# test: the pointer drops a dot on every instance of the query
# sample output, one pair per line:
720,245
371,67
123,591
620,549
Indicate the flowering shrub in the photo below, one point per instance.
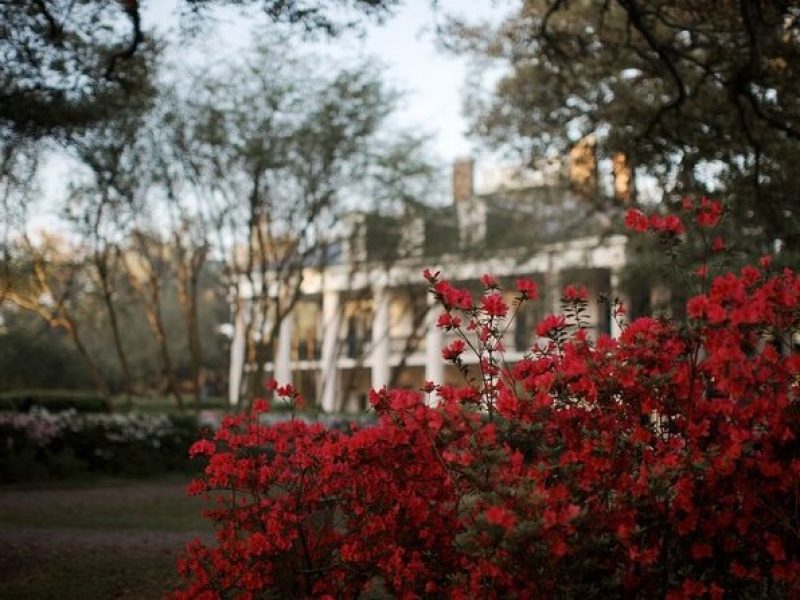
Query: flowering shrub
39,426
45,444
664,463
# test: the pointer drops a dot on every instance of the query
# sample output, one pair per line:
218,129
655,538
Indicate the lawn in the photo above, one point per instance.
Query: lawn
110,539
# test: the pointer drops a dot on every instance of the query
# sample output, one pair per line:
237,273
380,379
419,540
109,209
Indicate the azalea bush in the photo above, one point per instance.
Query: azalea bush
664,463
41,444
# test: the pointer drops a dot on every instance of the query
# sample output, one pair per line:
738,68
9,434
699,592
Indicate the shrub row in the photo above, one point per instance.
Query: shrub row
53,401
42,445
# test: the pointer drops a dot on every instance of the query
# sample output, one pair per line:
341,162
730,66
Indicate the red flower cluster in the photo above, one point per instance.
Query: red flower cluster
575,293
635,220
663,464
550,324
489,281
668,225
707,214
452,297
494,305
528,289
454,350
448,321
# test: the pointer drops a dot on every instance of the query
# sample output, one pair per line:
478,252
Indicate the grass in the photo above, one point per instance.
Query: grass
111,539
94,574
106,505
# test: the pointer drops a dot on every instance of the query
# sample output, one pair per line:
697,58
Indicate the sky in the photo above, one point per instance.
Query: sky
431,80
434,79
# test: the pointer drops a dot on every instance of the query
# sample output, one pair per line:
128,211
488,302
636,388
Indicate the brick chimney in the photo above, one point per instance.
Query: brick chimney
583,166
463,179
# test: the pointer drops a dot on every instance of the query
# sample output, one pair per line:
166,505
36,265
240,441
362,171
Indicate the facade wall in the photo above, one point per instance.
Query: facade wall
356,328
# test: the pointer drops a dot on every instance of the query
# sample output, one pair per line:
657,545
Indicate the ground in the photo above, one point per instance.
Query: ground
107,539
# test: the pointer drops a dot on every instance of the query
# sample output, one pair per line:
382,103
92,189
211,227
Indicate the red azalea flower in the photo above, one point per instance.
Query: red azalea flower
709,212
691,430
528,289
575,294
500,516
454,350
448,321
550,324
489,281
260,405
202,447
430,276
669,225
635,220
494,305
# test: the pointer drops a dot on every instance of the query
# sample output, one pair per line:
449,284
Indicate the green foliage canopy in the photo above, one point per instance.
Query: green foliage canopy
702,96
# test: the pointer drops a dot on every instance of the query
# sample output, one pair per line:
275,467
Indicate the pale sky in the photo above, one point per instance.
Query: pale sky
432,80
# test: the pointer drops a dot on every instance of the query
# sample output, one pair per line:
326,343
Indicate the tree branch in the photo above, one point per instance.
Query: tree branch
132,10
635,18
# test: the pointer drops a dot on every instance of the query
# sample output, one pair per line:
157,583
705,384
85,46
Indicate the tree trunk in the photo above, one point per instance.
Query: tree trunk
153,313
101,264
94,370
195,345
150,294
257,351
187,276
59,317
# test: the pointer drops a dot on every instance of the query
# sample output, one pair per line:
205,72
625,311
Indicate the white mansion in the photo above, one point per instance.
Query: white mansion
366,320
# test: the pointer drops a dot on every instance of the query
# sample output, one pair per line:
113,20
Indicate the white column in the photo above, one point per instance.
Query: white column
238,344
434,365
615,292
329,377
380,339
283,356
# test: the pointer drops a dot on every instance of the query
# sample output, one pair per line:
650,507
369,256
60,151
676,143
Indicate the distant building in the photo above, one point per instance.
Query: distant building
366,320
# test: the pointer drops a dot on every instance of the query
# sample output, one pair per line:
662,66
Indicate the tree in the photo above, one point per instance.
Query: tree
330,17
47,278
188,207
70,65
288,149
161,195
147,263
34,355
100,211
701,96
